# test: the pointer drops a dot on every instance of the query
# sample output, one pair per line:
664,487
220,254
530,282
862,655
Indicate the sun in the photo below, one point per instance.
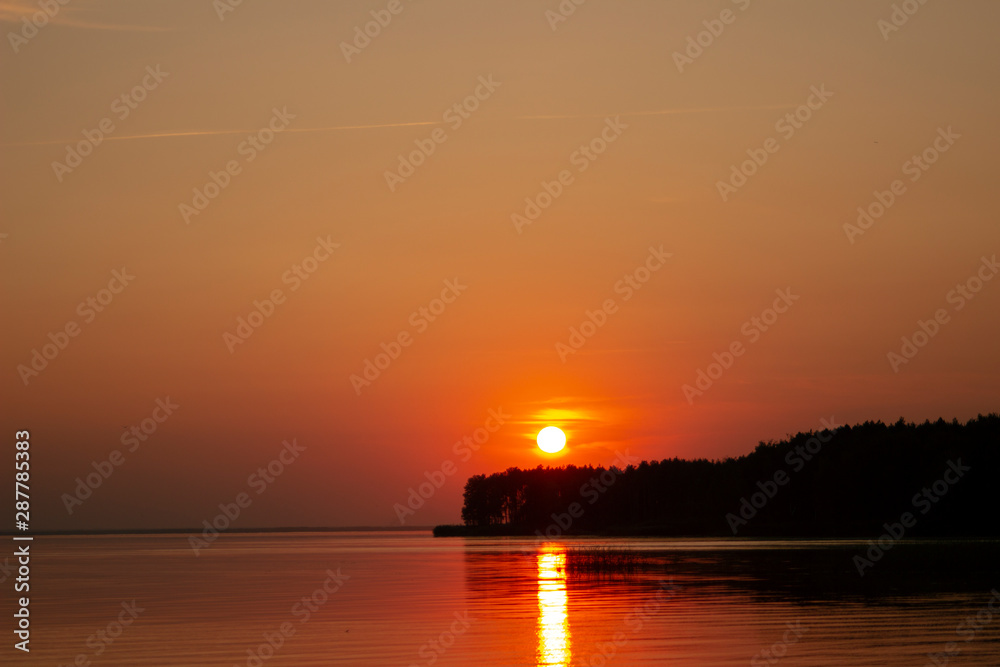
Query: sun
551,439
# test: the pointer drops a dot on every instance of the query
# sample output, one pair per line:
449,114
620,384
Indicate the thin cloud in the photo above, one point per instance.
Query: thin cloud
659,112
14,11
340,128
209,133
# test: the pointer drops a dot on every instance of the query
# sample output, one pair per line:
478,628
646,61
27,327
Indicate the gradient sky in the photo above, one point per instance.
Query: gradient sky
495,345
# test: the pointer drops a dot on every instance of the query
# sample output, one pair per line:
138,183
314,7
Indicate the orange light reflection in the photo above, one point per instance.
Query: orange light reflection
553,618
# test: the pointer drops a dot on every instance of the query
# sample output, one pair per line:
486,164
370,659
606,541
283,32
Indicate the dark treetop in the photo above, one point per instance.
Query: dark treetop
848,482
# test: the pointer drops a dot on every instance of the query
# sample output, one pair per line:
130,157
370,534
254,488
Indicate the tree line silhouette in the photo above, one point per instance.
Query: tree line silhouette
848,482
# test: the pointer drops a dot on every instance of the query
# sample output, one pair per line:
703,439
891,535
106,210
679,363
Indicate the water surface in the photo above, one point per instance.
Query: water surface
409,599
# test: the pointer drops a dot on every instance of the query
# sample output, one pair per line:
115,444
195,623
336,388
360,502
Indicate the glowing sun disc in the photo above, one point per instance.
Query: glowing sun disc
551,439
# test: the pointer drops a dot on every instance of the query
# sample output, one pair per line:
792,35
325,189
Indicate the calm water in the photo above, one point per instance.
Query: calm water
410,599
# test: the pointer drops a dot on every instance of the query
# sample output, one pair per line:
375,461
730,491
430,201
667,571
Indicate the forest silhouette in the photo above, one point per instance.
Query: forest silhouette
936,479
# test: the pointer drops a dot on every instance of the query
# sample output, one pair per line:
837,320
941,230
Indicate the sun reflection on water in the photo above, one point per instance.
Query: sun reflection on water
553,618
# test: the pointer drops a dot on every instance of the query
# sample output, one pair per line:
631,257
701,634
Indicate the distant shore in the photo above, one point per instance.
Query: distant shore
450,530
872,480
187,531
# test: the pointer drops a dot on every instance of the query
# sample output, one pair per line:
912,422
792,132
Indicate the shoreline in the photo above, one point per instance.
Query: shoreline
198,531
450,530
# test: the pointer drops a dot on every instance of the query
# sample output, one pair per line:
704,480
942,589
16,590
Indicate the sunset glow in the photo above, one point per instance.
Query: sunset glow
290,232
539,333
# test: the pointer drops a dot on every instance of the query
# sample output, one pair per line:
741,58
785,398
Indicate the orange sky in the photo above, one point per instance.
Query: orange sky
314,185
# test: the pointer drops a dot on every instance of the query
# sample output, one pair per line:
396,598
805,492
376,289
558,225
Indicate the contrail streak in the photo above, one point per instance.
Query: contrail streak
659,112
338,128
203,133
